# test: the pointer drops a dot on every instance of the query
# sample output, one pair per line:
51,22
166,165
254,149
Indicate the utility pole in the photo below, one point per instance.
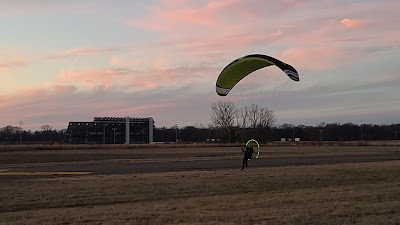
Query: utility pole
20,132
176,132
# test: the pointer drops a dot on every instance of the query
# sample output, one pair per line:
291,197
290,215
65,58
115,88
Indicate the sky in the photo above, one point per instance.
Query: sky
72,60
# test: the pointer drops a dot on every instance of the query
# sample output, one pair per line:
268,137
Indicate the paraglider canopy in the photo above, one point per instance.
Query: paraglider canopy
241,67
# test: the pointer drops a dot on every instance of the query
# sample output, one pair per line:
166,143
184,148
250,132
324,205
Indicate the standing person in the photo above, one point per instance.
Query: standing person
247,155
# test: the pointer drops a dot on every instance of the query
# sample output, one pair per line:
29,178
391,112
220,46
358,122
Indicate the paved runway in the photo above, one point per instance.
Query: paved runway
132,167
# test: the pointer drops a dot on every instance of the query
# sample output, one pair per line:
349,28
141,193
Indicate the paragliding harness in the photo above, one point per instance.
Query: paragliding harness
248,151
247,154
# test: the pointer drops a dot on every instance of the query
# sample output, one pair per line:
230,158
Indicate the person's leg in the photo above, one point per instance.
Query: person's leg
244,162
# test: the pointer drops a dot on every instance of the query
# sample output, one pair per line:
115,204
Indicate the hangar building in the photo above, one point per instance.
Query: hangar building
112,130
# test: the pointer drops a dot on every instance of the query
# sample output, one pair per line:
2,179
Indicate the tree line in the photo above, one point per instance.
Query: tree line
14,134
230,124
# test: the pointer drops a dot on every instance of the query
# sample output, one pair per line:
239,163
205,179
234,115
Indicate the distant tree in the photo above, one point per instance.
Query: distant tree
10,134
223,117
193,134
10,130
267,118
46,128
242,121
260,119
287,126
46,133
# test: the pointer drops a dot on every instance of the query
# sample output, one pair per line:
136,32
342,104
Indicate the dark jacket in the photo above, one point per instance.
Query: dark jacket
248,152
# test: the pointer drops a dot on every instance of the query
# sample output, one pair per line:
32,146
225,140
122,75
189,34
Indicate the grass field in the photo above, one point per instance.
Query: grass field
353,193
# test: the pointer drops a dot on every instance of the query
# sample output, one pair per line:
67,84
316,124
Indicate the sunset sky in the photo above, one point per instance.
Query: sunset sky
72,60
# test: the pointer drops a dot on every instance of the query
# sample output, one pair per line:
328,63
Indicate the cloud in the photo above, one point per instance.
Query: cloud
27,7
234,41
57,104
80,94
233,33
320,58
13,63
151,80
93,78
214,4
124,62
86,51
352,23
173,20
172,15
215,15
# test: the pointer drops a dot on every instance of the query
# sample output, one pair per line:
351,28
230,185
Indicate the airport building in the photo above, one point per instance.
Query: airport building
112,130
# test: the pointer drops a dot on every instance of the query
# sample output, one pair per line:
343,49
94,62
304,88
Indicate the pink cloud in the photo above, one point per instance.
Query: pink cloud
46,90
32,104
123,62
233,30
126,80
92,78
87,52
74,52
165,20
190,16
43,7
161,61
221,44
214,14
13,63
178,14
137,109
170,79
178,2
352,23
227,19
214,4
57,104
320,58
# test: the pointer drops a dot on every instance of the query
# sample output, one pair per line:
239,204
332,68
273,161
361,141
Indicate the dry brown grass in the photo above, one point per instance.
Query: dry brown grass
360,193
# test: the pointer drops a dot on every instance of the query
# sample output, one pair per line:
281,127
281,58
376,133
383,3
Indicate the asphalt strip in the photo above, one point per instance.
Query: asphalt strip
22,173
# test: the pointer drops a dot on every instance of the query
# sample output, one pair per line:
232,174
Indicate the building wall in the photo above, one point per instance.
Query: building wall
110,130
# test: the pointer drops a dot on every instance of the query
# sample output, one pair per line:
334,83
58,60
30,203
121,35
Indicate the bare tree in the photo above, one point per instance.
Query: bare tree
242,121
267,118
223,116
260,119
254,115
9,130
46,127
